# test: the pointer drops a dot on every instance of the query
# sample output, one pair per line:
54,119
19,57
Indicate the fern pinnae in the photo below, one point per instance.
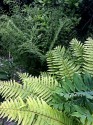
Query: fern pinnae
10,89
41,87
46,80
77,50
88,56
61,66
32,106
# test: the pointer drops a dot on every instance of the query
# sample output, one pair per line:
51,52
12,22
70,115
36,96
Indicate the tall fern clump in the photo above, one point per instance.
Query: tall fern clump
74,70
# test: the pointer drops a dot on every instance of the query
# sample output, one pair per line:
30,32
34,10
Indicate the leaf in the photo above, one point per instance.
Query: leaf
25,112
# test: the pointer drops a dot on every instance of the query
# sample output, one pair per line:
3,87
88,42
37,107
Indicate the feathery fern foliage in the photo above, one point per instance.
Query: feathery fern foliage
30,101
77,49
88,56
40,87
26,102
33,112
80,59
59,64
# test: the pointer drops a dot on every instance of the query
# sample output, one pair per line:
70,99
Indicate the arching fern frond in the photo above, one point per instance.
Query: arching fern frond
33,112
44,80
59,64
79,60
41,87
88,56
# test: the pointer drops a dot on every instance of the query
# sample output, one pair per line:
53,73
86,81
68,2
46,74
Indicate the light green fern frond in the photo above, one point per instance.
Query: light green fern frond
88,56
12,89
43,80
33,112
77,49
59,64
41,87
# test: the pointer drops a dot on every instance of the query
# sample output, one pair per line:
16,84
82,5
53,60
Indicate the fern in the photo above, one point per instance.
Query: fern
60,65
30,47
80,59
71,94
77,49
11,89
30,113
88,56
41,87
43,79
60,27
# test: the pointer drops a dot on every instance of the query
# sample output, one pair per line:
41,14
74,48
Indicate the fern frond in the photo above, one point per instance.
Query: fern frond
12,89
59,65
88,56
41,87
33,112
44,79
77,49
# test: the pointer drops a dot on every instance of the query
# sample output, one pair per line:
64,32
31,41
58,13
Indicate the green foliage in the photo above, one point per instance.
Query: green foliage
73,2
40,87
67,100
29,112
26,102
75,97
59,64
7,69
78,58
88,56
62,98
29,32
70,3
77,49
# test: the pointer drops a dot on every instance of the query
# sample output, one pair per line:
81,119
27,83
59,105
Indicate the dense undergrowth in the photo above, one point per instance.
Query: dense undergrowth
28,32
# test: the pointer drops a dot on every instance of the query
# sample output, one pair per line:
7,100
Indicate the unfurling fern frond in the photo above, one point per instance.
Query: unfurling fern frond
77,49
33,112
88,56
41,87
59,64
